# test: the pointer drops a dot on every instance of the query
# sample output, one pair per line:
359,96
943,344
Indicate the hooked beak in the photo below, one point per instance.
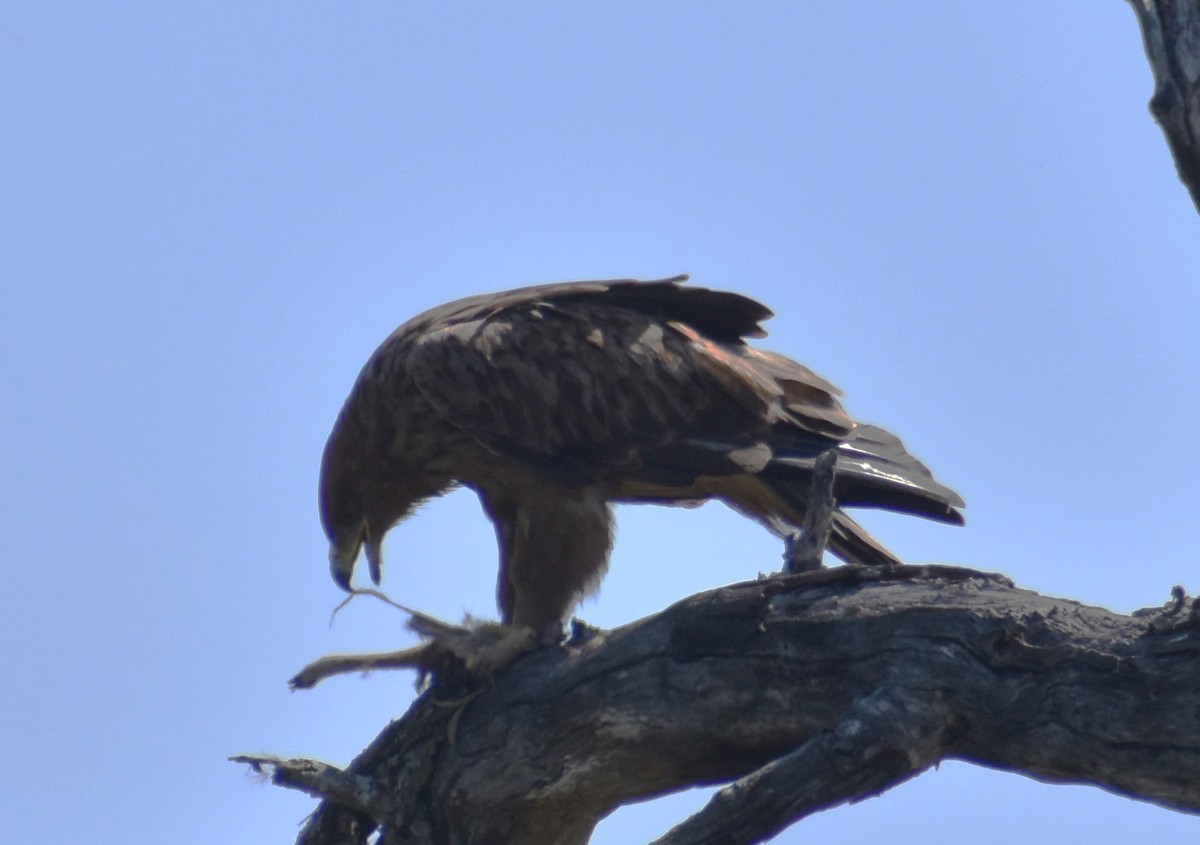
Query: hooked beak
374,560
343,558
341,565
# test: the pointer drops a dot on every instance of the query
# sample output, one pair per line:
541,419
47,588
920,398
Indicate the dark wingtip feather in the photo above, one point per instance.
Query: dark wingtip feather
886,452
874,470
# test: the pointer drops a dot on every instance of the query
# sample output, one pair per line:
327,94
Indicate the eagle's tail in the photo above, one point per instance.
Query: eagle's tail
850,541
875,471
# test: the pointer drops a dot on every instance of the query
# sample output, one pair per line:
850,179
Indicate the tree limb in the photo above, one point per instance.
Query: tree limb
319,779
802,691
885,739
1171,35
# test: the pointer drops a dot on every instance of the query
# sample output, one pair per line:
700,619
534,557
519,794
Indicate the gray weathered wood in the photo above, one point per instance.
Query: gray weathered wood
805,691
1171,34
805,551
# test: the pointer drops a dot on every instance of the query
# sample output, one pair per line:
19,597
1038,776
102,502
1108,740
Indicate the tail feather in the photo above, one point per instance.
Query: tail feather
873,471
883,452
850,541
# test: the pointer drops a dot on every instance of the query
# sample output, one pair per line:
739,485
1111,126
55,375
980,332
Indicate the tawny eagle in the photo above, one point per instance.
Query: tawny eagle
555,401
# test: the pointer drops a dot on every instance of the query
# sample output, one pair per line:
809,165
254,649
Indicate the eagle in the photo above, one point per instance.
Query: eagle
554,402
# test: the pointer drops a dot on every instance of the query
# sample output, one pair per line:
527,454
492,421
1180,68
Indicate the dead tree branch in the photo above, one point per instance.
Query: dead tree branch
1171,34
801,692
805,551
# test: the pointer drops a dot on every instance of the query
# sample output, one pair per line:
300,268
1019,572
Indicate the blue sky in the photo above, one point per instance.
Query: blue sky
211,214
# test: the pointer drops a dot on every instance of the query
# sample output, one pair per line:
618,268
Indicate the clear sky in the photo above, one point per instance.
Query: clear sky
210,214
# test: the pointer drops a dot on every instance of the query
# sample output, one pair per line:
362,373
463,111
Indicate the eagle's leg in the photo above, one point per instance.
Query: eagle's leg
805,549
554,547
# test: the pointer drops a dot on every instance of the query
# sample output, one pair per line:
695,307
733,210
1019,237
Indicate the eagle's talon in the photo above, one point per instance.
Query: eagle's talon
581,632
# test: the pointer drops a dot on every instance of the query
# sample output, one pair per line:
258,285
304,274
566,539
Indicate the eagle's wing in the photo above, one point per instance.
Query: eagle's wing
653,384
618,380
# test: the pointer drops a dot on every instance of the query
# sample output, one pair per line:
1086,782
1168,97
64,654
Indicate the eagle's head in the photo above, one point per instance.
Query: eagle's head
342,514
359,501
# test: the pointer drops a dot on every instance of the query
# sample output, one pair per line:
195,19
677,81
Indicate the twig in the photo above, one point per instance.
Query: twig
320,780
804,552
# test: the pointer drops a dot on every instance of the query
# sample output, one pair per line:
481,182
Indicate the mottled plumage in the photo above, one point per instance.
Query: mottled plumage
552,402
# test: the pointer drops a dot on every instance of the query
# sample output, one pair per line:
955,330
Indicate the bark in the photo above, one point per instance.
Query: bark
1171,34
801,692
